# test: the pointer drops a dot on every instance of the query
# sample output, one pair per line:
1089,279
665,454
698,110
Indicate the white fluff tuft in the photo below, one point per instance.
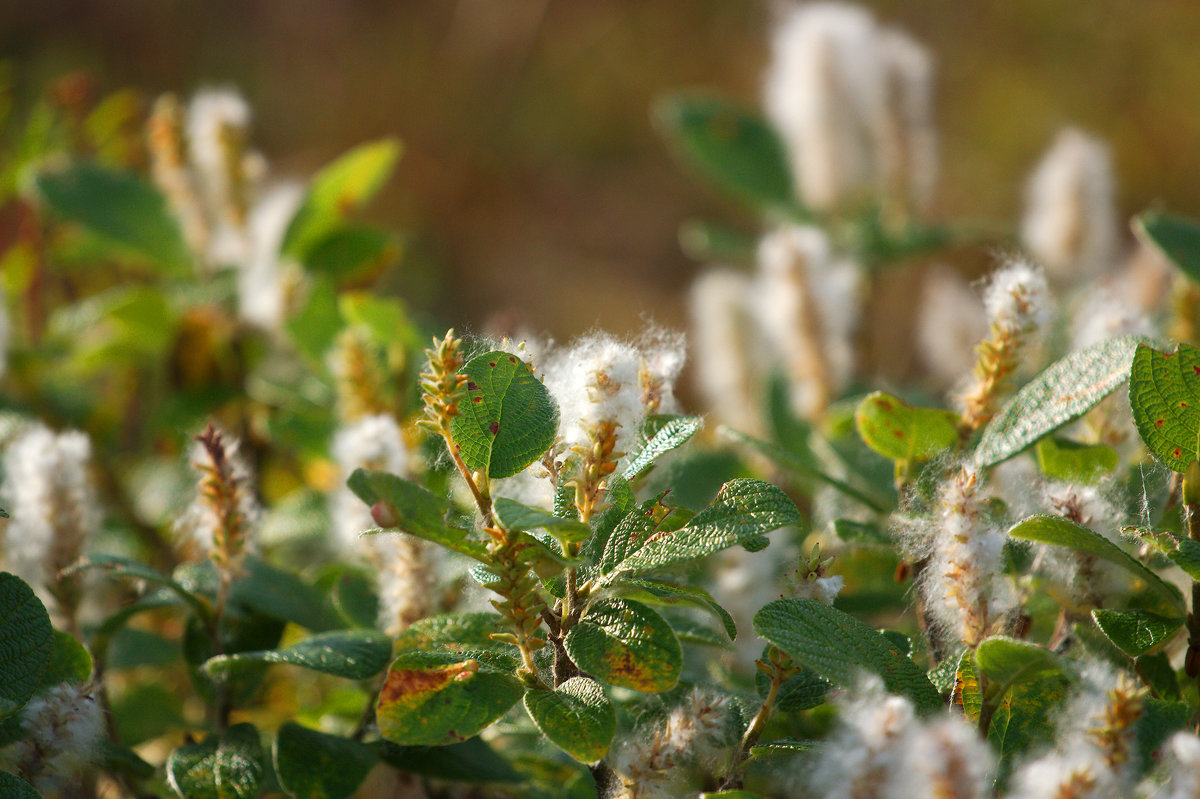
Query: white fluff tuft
373,442
1071,218
728,363
809,303
596,382
951,321
263,278
63,728
52,500
1017,299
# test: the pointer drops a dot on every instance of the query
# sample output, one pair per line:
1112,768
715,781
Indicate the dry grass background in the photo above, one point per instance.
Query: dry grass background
533,180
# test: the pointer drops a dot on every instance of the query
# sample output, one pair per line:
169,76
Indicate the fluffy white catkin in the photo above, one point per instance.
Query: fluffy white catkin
52,499
63,729
729,362
1070,220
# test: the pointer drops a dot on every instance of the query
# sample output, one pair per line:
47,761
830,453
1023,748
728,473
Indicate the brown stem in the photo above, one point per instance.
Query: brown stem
755,730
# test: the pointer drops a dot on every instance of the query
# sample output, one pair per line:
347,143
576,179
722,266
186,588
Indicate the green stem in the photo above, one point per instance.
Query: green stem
755,730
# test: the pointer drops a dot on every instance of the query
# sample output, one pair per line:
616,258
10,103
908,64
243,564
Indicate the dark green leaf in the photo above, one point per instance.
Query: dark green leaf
625,643
1158,721
1164,392
1177,237
283,596
313,765
119,206
1136,632
655,592
127,567
802,691
633,530
224,766
660,435
315,325
471,761
744,508
415,510
508,418
352,253
836,646
901,432
1066,390
13,787
26,643
433,699
1065,533
853,532
353,654
731,149
1024,720
576,716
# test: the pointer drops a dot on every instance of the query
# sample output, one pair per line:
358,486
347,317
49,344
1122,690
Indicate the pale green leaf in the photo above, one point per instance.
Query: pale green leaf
513,515
1066,390
1006,663
656,592
660,435
1183,552
901,432
1072,462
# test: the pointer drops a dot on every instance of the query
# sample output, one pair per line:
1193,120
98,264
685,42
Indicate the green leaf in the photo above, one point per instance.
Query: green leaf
1062,532
1158,673
780,745
1158,721
744,508
968,691
1066,390
416,511
799,466
353,654
26,643
313,765
13,787
633,530
433,699
69,661
731,149
1183,552
1136,632
517,517
1176,237
836,646
1072,462
655,592
453,632
802,691
353,253
339,189
315,324
853,532
577,717
901,432
1024,720
625,643
1006,663
117,566
1164,392
228,765
660,435
118,206
282,595
508,419
471,761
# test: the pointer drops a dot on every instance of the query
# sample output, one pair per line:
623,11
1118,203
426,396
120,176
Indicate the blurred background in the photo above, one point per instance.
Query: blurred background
533,182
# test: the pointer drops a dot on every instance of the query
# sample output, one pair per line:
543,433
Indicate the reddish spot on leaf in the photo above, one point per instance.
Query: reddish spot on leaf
477,399
1177,452
511,359
898,433
492,364
402,683
884,404
1182,404
472,386
1158,422
494,427
1196,369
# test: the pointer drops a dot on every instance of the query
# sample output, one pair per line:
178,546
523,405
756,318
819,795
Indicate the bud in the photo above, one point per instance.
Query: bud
384,514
